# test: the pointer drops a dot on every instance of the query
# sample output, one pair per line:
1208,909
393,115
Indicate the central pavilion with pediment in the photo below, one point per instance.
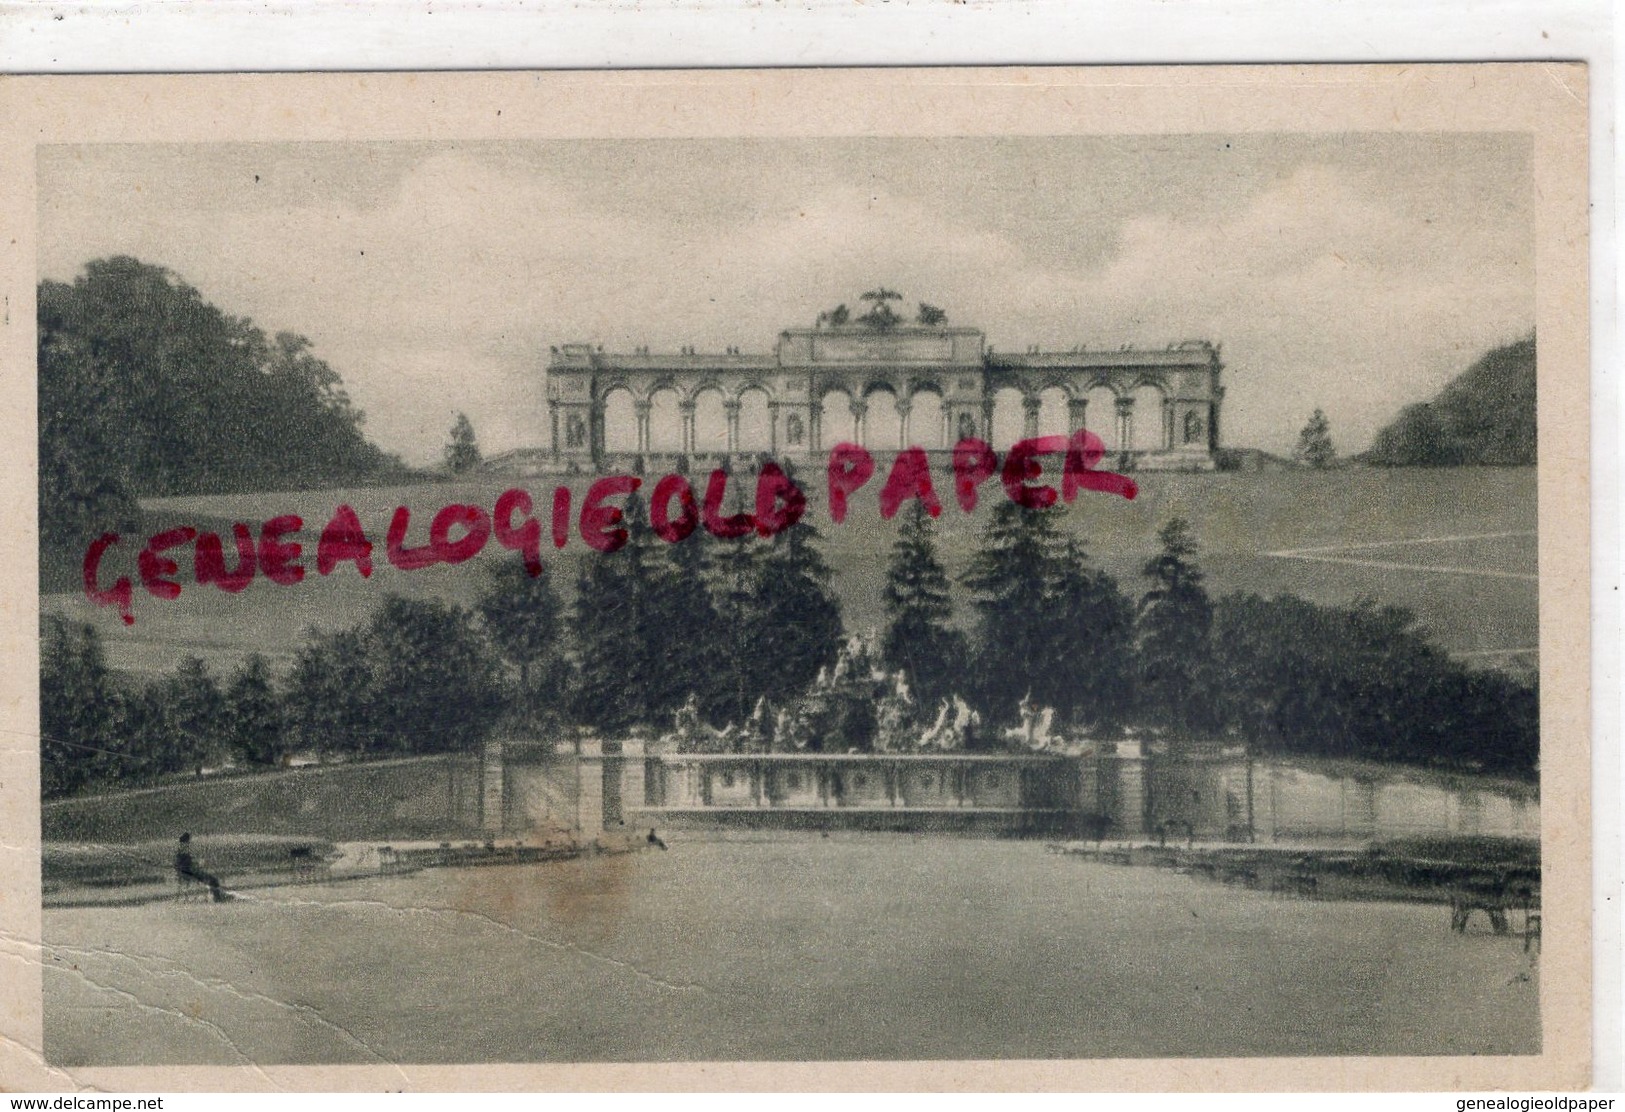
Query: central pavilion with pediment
882,381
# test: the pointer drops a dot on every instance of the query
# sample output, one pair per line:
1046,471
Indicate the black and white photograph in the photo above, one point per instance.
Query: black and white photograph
1060,590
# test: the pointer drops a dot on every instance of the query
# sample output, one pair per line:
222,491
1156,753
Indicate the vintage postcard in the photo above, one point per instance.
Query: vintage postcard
983,578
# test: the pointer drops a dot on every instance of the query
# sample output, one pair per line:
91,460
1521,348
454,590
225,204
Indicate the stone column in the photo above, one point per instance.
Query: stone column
553,420
642,410
987,421
634,775
903,406
1088,771
491,784
1167,424
1130,817
1469,812
1360,808
731,408
1125,424
1030,408
686,408
590,788
1077,413
860,422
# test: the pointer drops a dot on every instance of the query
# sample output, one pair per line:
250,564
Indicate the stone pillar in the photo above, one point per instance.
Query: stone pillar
1077,413
1469,812
1030,408
686,408
1360,808
1129,820
553,420
987,421
590,788
1088,799
1167,424
642,410
634,775
492,798
860,422
1125,424
731,408
595,428
903,406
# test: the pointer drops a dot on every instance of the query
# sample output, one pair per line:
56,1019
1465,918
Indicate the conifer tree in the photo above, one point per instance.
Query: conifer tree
462,450
920,640
621,632
737,658
689,661
1315,443
800,614
522,615
1052,626
1091,673
778,620
1172,635
1012,578
79,708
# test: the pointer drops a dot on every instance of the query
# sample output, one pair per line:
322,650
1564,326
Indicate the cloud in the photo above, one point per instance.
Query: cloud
440,286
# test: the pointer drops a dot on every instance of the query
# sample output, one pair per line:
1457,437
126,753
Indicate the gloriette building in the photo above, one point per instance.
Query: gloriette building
880,381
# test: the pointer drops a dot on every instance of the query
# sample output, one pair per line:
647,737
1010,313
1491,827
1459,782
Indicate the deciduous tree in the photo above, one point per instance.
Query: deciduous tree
256,726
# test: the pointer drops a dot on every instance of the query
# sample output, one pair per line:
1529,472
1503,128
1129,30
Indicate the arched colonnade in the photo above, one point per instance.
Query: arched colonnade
707,417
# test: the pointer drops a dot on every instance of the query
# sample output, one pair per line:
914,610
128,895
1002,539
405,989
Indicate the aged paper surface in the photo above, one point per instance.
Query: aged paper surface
1166,807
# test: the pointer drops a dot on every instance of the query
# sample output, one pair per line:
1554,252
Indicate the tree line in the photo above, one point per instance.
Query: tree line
1484,416
732,621
147,390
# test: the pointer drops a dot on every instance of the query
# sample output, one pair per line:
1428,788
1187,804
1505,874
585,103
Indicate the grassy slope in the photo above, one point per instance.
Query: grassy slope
1238,518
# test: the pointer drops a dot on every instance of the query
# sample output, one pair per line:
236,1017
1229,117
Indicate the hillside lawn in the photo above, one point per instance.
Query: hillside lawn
1239,519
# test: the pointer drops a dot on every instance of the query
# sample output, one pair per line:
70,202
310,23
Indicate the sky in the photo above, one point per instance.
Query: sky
1355,273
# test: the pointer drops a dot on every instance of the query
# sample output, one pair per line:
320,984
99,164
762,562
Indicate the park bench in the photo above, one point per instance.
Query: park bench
1496,895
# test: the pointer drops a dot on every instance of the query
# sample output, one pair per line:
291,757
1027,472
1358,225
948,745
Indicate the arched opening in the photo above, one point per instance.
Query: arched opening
835,421
665,422
620,421
925,424
1009,418
882,423
755,422
1053,418
1103,416
1150,419
710,422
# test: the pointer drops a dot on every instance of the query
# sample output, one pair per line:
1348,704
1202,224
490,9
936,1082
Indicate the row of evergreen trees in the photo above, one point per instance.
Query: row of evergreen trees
731,621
